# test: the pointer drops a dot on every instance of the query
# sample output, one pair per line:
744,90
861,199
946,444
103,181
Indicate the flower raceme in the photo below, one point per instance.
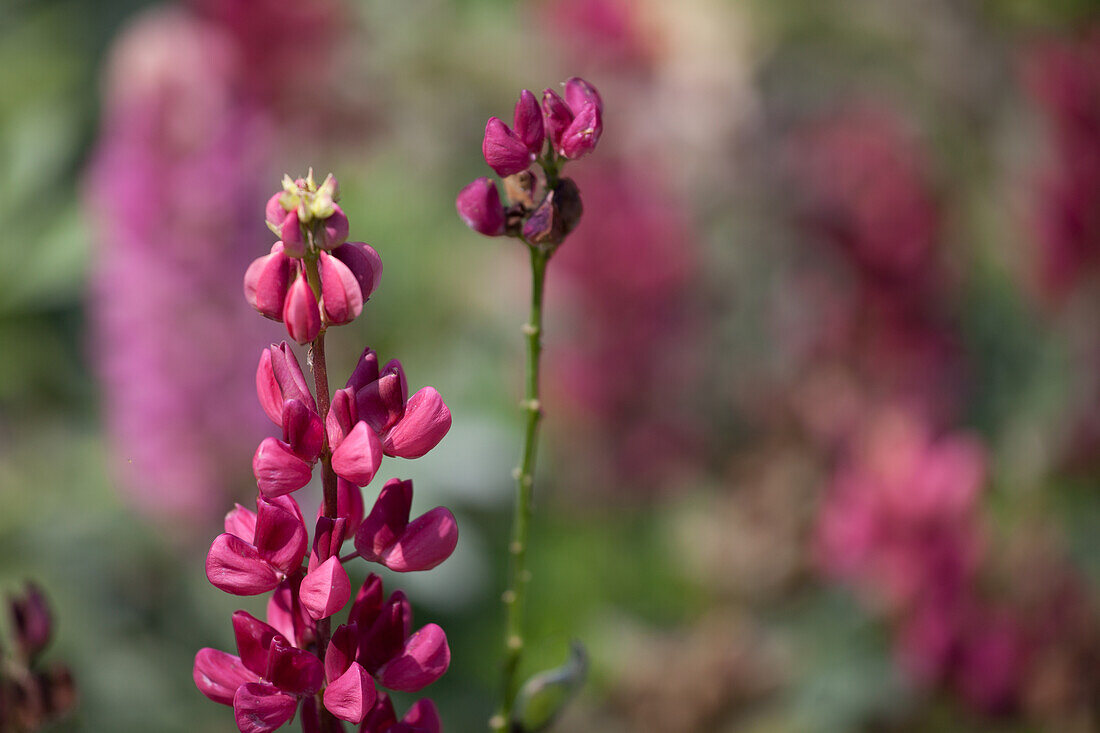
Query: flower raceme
548,133
310,280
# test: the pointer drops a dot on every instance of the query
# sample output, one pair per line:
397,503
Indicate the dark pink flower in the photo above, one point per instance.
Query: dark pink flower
259,551
479,206
301,312
266,282
387,536
503,149
527,122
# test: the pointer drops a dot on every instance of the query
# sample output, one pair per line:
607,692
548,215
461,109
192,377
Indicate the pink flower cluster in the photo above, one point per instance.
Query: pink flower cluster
291,661
549,133
902,523
1064,78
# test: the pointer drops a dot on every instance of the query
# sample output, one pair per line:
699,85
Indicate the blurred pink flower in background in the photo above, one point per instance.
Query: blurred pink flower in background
192,103
1063,76
626,374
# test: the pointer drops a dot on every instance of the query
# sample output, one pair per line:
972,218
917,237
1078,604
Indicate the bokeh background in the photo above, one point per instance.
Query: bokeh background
823,357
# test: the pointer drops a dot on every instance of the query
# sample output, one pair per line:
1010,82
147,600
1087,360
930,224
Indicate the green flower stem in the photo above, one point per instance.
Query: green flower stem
519,576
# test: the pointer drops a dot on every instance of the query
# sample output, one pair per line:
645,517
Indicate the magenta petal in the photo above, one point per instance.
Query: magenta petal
293,670
359,456
280,537
301,313
429,540
302,430
277,470
503,150
578,92
528,122
385,638
349,505
218,675
364,263
288,373
328,538
478,204
262,708
424,659
424,716
267,388
291,235
342,417
326,589
265,284
381,403
426,421
341,294
557,115
234,566
368,603
274,212
381,717
351,696
580,138
342,650
254,639
334,230
241,522
365,372
386,522
286,615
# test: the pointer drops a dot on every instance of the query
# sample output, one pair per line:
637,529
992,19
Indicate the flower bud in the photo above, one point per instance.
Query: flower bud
503,150
291,234
578,91
30,621
333,230
557,115
364,263
266,281
479,206
274,213
341,294
278,470
381,403
302,430
528,122
365,372
580,138
279,378
301,312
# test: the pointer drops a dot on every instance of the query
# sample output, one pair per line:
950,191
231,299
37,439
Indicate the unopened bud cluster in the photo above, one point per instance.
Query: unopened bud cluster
541,209
31,694
291,663
313,232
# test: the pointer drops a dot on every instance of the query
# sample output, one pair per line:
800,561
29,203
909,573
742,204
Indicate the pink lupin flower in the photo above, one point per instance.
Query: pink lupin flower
257,551
326,588
503,149
364,263
580,138
341,293
301,312
578,92
264,683
333,230
358,456
478,203
266,282
279,378
422,717
387,536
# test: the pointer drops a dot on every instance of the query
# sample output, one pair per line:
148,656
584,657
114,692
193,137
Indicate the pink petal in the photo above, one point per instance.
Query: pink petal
302,430
386,522
351,696
424,716
557,115
528,122
424,659
218,675
503,150
580,138
365,372
265,284
241,522
291,380
277,470
478,204
342,650
364,263
325,590
294,670
262,708
334,230
368,603
429,540
359,456
328,539
425,423
381,403
267,388
386,637
301,313
286,615
254,639
342,417
381,717
578,92
341,295
234,566
280,537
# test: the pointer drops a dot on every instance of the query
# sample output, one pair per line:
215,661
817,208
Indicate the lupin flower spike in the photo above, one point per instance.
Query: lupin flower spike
294,663
542,210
